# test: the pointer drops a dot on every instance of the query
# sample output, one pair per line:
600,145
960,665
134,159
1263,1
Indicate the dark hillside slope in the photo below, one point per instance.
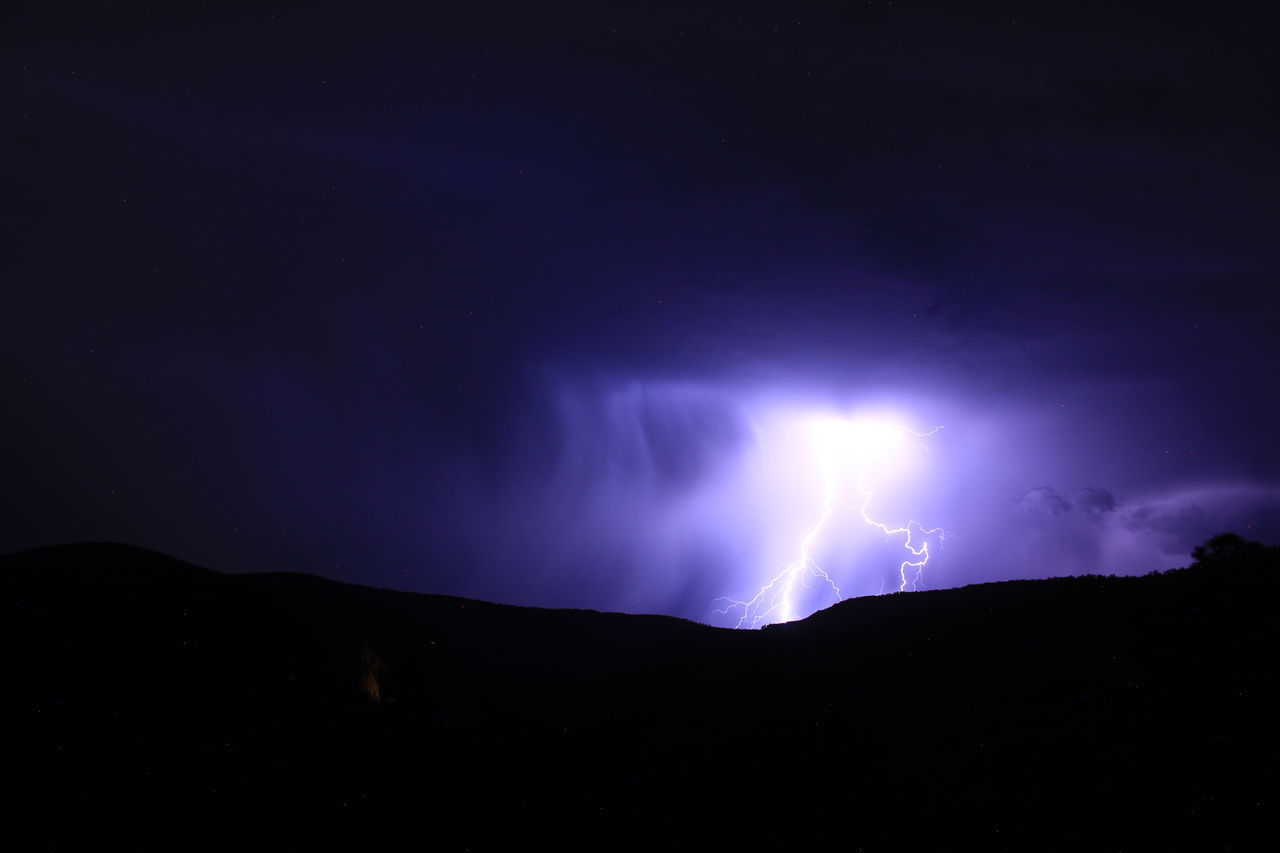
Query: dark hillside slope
163,705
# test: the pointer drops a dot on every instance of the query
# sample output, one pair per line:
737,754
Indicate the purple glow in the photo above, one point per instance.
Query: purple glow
848,461
664,496
544,312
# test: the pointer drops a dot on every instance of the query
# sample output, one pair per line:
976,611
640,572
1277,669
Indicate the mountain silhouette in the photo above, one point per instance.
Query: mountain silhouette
160,705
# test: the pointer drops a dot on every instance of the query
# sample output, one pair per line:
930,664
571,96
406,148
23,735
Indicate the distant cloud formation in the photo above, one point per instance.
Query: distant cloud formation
1094,501
1094,531
1042,503
1178,522
1046,502
1174,525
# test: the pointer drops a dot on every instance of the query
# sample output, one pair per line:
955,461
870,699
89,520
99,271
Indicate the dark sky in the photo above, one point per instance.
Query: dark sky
524,301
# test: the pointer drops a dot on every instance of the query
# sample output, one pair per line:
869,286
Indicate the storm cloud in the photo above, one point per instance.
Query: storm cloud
534,306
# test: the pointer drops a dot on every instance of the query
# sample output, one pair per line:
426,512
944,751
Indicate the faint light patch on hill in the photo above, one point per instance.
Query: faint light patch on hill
371,666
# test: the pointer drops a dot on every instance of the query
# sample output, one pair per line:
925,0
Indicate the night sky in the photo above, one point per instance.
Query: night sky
531,302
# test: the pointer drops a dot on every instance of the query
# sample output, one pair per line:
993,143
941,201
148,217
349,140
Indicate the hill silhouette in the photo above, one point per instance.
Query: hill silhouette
163,705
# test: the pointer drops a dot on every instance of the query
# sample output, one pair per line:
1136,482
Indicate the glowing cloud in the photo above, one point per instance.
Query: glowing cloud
850,454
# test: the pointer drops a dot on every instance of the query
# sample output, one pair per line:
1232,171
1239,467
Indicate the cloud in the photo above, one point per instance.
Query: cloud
1094,501
1093,531
1177,522
1174,526
1042,503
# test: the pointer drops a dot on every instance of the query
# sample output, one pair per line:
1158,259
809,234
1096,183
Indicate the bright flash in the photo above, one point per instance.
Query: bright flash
843,443
851,453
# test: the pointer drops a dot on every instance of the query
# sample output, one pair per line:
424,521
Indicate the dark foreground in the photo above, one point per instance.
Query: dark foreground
164,706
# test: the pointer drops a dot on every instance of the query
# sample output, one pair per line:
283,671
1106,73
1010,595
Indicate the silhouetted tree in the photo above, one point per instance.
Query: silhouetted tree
1229,548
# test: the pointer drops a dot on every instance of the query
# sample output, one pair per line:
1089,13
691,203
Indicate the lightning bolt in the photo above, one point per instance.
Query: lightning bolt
778,595
920,551
775,601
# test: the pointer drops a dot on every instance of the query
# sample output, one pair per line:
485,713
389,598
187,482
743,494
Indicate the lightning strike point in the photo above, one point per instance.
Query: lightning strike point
848,451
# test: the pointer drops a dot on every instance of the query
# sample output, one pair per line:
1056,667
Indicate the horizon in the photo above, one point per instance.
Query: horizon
1194,562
